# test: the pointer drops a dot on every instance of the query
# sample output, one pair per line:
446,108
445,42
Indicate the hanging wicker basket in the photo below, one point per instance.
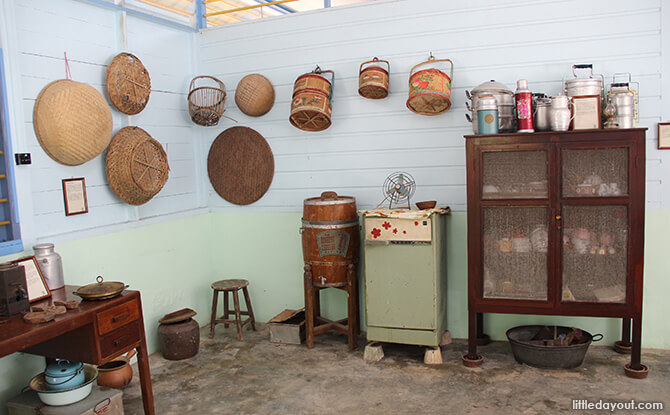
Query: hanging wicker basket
205,103
137,166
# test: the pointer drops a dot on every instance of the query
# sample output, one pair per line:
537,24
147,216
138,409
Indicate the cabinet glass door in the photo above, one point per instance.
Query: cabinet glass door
595,173
595,253
514,174
515,252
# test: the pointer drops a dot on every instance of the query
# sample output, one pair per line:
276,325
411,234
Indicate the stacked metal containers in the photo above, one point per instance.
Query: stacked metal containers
505,102
625,101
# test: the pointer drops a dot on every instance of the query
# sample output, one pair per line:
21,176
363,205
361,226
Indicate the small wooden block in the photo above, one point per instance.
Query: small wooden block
58,310
373,352
35,317
433,356
38,308
70,304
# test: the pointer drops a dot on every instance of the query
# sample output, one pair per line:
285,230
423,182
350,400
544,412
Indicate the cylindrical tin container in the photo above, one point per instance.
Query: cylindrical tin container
487,115
51,265
430,89
523,100
179,340
330,237
504,99
373,81
541,111
311,107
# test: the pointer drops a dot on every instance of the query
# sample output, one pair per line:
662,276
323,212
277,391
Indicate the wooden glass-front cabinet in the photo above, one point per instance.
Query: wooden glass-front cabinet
556,227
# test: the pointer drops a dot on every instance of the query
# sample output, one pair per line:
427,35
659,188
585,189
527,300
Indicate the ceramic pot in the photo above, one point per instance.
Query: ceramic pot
117,373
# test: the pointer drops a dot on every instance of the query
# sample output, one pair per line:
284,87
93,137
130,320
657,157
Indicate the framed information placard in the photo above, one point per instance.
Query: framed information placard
586,112
664,135
37,285
74,195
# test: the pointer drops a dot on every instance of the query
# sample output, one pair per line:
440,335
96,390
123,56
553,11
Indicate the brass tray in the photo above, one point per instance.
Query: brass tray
101,290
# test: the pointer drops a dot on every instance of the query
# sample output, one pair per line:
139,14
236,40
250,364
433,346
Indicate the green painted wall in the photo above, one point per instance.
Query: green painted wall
173,263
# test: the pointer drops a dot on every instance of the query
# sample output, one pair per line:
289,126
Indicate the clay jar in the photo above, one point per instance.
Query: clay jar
117,373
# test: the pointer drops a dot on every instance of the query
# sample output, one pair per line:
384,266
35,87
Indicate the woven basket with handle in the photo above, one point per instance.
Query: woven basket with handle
205,103
137,166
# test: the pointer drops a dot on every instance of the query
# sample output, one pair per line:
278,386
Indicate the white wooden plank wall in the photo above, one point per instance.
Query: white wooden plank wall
92,35
503,40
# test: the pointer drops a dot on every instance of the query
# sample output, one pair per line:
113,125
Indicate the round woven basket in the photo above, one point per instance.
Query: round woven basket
254,95
128,83
72,122
240,165
137,166
206,103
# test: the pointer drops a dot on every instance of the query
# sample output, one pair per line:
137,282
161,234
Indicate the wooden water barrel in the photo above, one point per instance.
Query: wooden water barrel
330,237
311,107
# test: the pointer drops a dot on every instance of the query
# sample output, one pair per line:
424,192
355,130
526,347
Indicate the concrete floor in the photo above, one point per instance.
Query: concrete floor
258,377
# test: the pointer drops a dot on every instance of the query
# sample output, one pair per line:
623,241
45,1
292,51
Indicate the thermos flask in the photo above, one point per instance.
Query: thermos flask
523,100
487,115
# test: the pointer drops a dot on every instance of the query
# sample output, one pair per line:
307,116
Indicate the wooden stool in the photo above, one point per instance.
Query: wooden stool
231,286
315,324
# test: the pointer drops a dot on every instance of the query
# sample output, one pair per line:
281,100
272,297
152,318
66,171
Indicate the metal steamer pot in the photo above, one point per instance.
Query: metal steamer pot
505,100
584,86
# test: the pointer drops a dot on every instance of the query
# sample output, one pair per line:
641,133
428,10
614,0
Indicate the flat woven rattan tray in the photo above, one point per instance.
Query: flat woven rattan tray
128,83
137,166
240,165
72,122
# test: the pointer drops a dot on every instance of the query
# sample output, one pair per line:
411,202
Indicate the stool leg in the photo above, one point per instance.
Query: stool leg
212,322
309,308
238,318
247,300
352,303
226,308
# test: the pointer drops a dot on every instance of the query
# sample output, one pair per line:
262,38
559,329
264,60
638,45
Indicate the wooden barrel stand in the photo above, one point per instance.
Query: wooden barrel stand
315,324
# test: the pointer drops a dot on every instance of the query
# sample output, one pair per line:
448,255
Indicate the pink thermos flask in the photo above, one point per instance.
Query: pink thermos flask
523,99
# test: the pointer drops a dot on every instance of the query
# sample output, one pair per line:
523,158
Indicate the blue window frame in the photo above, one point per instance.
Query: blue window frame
10,235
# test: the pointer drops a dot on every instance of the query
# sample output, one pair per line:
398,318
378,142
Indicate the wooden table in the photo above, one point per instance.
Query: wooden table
95,333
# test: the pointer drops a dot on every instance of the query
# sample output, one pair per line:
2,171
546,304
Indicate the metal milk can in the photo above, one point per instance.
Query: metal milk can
51,264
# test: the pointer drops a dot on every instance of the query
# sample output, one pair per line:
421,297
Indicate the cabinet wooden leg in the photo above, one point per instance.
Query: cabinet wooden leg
145,375
309,307
635,369
212,321
482,339
472,359
624,345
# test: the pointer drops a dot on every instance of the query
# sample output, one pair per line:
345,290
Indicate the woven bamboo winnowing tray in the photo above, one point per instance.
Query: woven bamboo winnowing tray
240,165
128,83
137,166
72,122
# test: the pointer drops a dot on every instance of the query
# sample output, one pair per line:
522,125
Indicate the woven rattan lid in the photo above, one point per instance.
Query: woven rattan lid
72,122
128,83
254,95
137,166
240,165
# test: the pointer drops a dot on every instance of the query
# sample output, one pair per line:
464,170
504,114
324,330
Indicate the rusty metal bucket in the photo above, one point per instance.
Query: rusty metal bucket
430,89
373,81
311,107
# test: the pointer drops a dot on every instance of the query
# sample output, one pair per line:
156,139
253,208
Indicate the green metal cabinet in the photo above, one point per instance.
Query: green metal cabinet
406,279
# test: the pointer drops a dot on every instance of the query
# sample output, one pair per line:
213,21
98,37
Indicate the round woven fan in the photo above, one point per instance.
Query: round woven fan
240,165
72,122
128,83
137,166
